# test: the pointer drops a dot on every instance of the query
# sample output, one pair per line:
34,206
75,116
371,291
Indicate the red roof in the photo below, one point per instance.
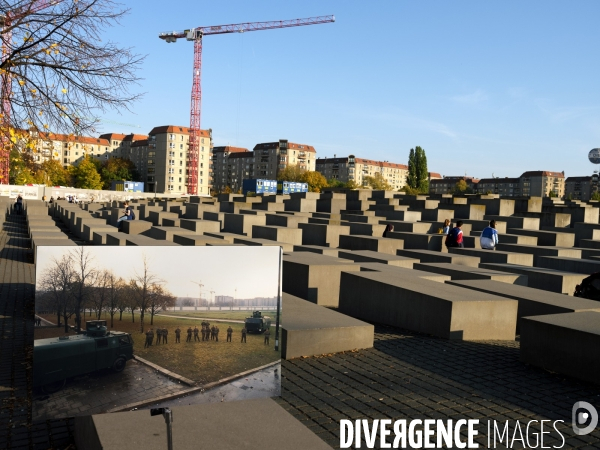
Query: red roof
134,137
434,175
176,129
140,143
73,138
111,136
381,163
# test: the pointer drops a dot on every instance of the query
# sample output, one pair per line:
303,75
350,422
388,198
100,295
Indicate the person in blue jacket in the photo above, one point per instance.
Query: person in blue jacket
489,236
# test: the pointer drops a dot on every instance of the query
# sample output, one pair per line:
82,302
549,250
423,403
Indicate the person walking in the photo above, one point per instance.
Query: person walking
455,236
489,236
267,335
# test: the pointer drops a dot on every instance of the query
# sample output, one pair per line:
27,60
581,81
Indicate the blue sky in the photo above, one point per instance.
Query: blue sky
483,87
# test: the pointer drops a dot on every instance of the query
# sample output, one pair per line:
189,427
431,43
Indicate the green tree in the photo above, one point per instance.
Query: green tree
291,173
411,179
118,169
85,175
378,183
596,196
55,174
461,187
422,173
315,180
335,183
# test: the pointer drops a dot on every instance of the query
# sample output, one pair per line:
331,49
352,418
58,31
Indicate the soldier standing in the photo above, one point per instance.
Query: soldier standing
148,342
244,331
177,335
189,335
196,338
212,333
151,336
164,335
158,335
229,333
203,331
216,333
267,335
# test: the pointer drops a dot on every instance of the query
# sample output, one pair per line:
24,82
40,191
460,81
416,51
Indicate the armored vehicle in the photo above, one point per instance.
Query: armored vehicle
56,359
257,323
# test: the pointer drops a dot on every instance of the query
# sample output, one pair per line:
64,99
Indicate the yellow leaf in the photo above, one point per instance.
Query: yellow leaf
21,82
64,91
46,125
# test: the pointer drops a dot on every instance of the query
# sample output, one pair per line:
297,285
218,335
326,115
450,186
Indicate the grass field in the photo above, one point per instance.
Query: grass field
203,362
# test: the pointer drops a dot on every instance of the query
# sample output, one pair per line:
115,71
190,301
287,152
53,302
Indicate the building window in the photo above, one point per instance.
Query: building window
171,145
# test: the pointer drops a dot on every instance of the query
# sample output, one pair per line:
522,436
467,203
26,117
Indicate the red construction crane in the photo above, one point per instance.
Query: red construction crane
195,34
6,80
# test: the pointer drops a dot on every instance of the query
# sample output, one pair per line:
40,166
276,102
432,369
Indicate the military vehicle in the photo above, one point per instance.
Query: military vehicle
257,323
56,359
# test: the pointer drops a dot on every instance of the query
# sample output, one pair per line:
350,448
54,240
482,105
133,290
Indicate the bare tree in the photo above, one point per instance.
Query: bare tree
141,285
85,275
57,72
160,298
114,288
99,294
58,280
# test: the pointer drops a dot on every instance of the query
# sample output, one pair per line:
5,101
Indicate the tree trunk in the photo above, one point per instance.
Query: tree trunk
112,317
120,315
141,321
58,318
151,318
132,316
66,323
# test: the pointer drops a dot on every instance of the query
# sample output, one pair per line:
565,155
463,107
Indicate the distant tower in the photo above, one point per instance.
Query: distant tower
594,156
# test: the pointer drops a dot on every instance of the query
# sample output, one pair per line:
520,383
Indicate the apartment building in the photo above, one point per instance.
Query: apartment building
69,149
120,144
234,164
228,169
355,169
506,187
581,188
446,185
167,164
541,183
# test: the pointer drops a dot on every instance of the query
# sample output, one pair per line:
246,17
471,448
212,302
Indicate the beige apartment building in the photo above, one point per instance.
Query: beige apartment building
541,183
68,149
166,167
356,169
234,164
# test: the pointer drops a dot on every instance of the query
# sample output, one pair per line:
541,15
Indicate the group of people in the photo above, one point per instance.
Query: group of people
209,333
454,235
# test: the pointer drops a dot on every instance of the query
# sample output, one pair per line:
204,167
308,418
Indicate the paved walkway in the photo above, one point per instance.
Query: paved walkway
411,376
16,348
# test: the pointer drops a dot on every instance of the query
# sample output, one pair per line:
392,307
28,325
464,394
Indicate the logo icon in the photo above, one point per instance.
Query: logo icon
583,413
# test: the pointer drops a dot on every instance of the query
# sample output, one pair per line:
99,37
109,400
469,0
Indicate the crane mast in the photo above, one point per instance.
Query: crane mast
195,35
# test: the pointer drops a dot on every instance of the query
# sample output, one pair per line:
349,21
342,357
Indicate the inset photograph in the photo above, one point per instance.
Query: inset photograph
125,327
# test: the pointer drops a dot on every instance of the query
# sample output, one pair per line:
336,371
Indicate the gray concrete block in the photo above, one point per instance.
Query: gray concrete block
420,241
428,256
568,344
569,264
495,256
245,421
314,277
540,278
427,307
291,236
311,329
322,235
532,302
402,272
287,247
376,244
141,240
165,233
194,239
112,238
317,249
156,217
540,251
456,272
200,226
377,257
136,226
284,220
242,223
